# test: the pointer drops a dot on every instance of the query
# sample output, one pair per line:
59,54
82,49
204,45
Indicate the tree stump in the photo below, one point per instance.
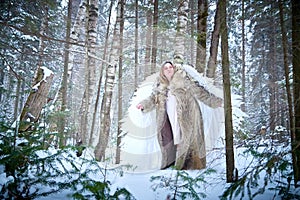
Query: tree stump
37,98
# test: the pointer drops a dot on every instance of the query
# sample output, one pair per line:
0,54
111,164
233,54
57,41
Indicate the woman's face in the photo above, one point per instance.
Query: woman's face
168,70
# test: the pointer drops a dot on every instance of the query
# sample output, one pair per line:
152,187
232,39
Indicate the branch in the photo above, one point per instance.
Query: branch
27,32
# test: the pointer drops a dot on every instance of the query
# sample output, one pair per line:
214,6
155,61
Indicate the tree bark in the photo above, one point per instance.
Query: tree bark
212,61
182,18
37,98
154,37
108,90
296,86
136,47
147,64
243,105
64,83
201,35
94,118
192,31
91,41
120,91
227,95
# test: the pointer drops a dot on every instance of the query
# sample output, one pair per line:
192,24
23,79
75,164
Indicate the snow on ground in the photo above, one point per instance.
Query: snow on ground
140,186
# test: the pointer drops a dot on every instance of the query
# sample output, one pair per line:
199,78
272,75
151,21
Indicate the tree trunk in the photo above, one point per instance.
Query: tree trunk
37,98
182,17
94,119
192,31
43,31
136,48
243,105
120,91
272,72
296,84
286,70
147,65
154,37
212,61
108,90
201,35
227,95
64,83
91,41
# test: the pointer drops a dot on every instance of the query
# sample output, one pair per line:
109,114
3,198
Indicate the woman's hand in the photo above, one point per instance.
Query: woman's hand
140,106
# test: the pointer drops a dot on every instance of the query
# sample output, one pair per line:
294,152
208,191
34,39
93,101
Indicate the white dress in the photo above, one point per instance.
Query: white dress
171,110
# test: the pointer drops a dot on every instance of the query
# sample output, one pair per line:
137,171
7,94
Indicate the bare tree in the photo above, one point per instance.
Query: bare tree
120,91
201,35
154,37
108,89
296,87
227,94
91,40
212,61
182,17
136,50
98,96
64,83
243,106
147,64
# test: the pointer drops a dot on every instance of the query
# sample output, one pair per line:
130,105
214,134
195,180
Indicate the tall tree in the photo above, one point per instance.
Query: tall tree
91,41
201,35
64,83
154,37
213,51
103,64
120,89
227,94
296,86
243,106
191,24
287,80
182,17
148,42
136,39
108,88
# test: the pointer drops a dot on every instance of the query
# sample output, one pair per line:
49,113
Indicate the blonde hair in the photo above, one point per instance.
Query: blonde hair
162,78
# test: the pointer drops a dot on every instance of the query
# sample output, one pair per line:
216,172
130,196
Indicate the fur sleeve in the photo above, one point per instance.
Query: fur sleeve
194,89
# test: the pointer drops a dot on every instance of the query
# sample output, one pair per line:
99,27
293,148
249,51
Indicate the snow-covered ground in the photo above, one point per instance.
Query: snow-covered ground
214,183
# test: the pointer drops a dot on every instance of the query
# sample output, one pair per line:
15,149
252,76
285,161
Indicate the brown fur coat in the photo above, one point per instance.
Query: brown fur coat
190,153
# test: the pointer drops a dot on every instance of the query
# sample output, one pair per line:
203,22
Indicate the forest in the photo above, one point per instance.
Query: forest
70,68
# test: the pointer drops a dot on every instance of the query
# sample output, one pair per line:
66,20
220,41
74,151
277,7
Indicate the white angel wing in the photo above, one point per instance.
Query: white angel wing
140,146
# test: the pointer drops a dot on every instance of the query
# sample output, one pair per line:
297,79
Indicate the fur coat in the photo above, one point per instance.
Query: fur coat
190,153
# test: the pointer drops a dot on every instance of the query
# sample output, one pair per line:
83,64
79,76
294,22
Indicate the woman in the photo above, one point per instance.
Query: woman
178,115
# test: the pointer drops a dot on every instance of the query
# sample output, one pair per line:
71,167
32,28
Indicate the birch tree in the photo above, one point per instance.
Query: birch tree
108,89
102,66
91,41
120,89
182,17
